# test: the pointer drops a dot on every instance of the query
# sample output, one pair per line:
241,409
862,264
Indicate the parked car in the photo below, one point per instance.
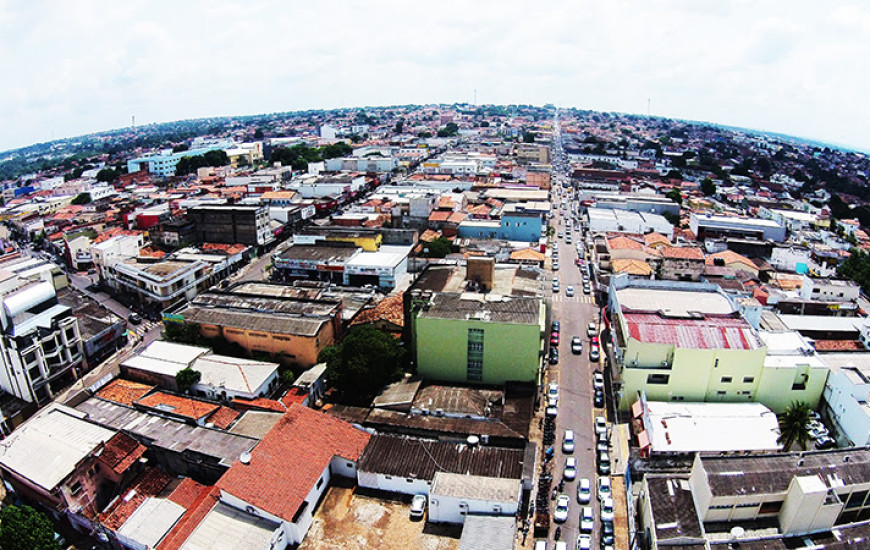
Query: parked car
134,318
555,326
552,411
826,442
554,356
603,463
604,488
594,353
600,425
602,443
568,442
606,535
587,289
598,399
591,329
607,509
584,491
553,392
560,514
418,506
584,542
598,380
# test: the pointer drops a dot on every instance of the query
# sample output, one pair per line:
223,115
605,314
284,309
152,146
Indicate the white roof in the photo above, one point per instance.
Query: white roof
674,301
387,256
151,521
226,528
176,353
47,448
470,487
689,427
823,322
243,375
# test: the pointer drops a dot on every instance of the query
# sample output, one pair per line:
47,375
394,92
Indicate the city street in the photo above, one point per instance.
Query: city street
573,373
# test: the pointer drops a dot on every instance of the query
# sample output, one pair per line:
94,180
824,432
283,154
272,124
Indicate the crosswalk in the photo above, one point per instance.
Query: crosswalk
142,328
575,299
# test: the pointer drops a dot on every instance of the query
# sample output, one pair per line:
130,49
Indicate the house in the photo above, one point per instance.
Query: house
455,496
283,478
682,263
732,260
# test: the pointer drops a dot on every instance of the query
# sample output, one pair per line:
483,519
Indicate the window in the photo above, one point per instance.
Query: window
658,378
726,379
748,379
474,366
34,373
677,398
319,483
747,505
770,507
76,488
720,392
856,499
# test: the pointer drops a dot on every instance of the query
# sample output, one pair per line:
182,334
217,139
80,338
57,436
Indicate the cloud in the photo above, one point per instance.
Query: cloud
75,67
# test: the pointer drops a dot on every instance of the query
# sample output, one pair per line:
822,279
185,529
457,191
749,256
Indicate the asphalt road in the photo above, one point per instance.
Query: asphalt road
574,376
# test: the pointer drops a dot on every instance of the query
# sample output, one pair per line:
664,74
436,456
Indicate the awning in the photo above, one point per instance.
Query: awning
637,409
643,440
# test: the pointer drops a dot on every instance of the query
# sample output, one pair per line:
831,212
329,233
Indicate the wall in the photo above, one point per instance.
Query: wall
449,509
394,484
287,349
846,402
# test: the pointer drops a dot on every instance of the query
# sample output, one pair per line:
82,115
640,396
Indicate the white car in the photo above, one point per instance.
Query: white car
584,491
584,542
602,444
561,545
568,442
560,514
418,506
570,471
591,329
552,411
569,291
600,425
553,392
598,381
607,509
587,520
604,488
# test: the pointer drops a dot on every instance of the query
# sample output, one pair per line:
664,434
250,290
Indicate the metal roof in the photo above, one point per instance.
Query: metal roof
227,528
475,487
488,533
484,307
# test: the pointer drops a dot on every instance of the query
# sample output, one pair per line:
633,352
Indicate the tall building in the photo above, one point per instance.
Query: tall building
231,224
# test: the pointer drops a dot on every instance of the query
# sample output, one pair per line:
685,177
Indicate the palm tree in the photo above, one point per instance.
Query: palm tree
793,426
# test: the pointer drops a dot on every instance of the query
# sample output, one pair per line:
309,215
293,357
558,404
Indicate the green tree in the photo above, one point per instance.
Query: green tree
857,268
449,130
107,175
438,248
81,198
363,363
529,137
708,187
187,377
674,175
793,425
23,528
673,219
400,125
675,195
258,133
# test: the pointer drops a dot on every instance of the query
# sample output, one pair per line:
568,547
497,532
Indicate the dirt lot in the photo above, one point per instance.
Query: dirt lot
350,520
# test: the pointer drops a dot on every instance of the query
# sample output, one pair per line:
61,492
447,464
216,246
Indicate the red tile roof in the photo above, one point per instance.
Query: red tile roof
177,405
838,345
124,392
259,403
223,417
439,216
121,452
457,217
682,252
149,484
191,520
623,243
294,395
188,492
731,257
389,309
290,459
706,333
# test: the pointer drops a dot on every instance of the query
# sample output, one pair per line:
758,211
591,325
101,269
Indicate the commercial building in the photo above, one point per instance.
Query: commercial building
162,284
384,268
316,262
231,224
163,164
454,496
829,290
292,331
706,226
688,342
41,344
608,220
511,226
846,395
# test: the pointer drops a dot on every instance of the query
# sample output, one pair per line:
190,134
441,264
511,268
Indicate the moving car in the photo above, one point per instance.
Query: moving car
584,542
570,471
560,514
587,520
569,291
584,491
576,345
418,506
568,442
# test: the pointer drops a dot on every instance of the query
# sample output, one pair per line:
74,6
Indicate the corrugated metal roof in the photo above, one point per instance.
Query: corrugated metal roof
475,487
488,533
704,333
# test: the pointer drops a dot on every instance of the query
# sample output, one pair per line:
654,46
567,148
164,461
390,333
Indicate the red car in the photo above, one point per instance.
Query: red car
593,341
554,339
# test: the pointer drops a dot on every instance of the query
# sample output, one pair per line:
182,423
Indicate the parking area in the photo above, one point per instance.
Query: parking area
350,519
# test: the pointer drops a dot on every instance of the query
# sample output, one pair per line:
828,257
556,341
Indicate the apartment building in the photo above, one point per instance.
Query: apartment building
231,224
160,283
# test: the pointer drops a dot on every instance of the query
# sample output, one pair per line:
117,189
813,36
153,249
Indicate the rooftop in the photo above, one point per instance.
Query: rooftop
488,533
673,508
177,405
475,487
227,528
703,333
290,459
421,459
319,253
124,392
674,302
60,437
492,308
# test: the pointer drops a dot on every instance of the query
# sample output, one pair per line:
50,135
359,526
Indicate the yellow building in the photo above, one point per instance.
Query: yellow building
687,342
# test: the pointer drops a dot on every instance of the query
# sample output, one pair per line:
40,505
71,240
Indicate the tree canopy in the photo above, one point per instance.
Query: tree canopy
857,268
708,187
188,165
108,175
363,363
81,198
187,377
675,195
438,248
529,137
449,130
23,528
793,425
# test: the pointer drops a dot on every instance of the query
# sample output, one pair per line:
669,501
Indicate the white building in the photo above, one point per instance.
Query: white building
328,132
606,220
116,249
710,226
829,290
454,496
384,268
847,396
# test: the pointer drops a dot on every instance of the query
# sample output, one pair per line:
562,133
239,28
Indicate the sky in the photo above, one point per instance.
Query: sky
796,67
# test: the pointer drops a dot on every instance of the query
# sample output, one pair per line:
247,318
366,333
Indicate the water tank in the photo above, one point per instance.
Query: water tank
473,440
28,298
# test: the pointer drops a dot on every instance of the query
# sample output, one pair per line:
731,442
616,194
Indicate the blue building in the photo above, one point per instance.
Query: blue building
513,226
163,164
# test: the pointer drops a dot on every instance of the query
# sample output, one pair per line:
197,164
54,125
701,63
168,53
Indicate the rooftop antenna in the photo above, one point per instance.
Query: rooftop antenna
647,107
475,96
134,121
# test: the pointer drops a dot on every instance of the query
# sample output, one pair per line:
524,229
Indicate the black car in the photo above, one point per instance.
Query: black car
556,326
554,356
134,318
599,399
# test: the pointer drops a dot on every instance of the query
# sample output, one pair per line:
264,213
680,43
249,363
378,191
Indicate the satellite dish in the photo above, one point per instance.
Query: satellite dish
245,457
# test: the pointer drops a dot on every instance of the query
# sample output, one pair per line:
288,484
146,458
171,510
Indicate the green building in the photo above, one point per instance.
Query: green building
479,338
